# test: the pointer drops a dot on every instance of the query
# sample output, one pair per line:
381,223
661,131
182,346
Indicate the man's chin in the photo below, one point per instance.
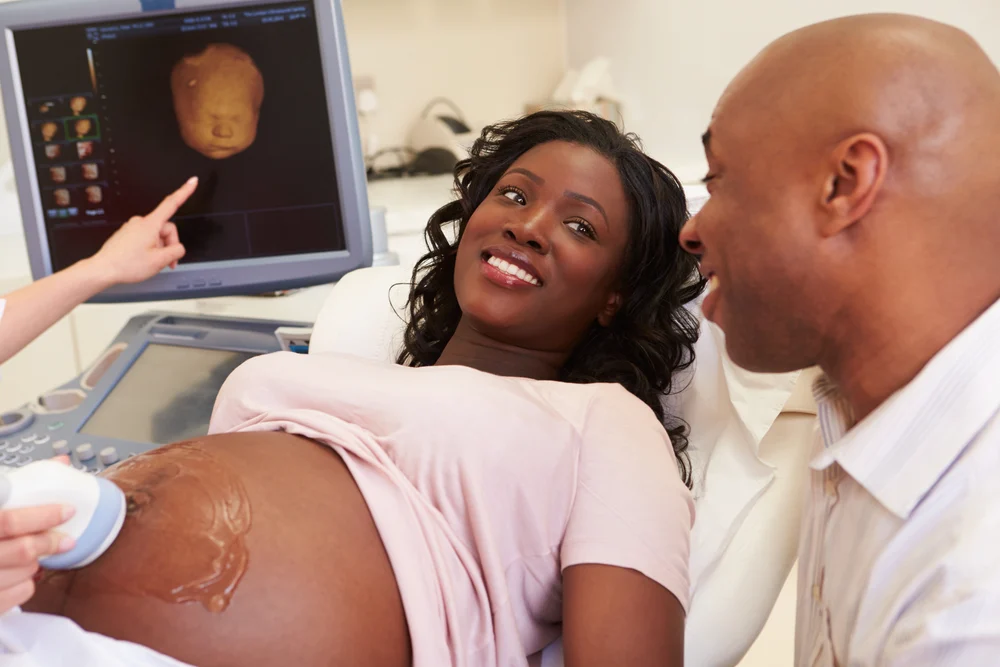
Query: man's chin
710,307
755,359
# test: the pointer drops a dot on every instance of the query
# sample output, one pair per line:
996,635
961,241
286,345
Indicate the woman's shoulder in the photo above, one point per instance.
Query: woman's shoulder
293,363
601,407
610,400
292,372
619,421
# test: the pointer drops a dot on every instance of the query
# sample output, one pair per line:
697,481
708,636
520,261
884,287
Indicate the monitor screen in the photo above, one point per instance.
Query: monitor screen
123,112
167,395
119,113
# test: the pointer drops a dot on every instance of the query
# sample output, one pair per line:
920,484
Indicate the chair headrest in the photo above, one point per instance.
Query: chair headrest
364,315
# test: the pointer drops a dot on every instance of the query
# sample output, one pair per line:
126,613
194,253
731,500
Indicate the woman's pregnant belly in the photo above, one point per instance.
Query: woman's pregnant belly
241,549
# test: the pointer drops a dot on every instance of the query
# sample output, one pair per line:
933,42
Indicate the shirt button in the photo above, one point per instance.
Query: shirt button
831,487
816,592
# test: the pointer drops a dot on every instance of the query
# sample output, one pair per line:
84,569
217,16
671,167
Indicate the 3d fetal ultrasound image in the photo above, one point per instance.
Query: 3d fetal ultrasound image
217,96
244,110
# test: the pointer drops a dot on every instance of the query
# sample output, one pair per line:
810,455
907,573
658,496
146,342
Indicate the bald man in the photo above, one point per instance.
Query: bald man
854,224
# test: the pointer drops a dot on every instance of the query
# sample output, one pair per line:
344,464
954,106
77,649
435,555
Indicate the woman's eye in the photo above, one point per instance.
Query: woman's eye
582,227
514,195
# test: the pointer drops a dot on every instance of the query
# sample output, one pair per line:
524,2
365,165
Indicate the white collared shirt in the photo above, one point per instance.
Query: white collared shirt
899,559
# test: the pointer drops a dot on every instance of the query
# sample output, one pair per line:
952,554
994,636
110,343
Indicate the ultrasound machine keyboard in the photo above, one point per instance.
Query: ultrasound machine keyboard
155,384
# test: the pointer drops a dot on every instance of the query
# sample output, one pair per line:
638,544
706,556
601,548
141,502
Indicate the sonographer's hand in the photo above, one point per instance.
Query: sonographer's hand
25,536
145,245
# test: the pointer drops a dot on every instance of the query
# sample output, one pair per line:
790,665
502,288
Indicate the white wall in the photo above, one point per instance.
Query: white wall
491,57
673,58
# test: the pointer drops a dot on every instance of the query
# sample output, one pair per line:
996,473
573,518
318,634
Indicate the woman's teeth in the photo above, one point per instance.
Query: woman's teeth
513,270
713,282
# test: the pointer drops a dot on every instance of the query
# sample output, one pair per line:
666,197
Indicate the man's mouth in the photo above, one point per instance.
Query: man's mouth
512,269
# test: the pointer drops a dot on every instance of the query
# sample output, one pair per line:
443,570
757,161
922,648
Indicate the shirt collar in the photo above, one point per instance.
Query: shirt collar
899,451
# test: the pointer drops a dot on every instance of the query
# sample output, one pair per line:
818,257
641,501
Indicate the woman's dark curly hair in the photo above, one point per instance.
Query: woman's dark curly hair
652,336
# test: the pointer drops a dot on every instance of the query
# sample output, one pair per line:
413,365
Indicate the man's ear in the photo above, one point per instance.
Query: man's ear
607,314
858,168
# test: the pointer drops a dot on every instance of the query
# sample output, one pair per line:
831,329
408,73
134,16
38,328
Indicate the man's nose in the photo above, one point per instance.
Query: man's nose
689,238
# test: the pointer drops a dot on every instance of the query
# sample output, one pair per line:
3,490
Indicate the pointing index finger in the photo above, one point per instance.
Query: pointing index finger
174,201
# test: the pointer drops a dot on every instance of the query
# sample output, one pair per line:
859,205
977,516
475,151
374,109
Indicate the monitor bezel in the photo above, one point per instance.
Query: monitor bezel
219,278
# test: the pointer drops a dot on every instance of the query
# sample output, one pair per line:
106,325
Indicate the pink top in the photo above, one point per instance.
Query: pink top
483,488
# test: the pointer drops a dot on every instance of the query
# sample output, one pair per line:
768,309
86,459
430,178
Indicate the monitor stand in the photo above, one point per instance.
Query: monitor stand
381,255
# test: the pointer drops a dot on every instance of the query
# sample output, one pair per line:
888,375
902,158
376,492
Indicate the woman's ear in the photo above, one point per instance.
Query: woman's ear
607,314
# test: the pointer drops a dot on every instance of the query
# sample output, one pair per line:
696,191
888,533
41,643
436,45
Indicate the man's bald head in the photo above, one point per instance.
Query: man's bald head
925,88
855,172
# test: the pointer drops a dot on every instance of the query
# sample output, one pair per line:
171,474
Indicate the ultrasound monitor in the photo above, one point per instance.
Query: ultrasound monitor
113,104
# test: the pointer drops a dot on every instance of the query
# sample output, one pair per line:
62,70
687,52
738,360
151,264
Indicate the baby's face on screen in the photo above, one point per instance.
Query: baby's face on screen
217,97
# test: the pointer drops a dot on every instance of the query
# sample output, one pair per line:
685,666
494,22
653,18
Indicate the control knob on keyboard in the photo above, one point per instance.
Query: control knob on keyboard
109,456
85,452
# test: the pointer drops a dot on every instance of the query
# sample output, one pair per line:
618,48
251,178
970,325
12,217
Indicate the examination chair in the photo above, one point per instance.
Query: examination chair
749,444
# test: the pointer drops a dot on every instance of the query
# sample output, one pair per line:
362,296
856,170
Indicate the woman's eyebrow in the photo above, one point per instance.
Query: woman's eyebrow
532,176
589,201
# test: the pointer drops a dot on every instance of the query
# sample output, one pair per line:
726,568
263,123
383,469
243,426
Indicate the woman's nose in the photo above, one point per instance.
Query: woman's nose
530,232
690,240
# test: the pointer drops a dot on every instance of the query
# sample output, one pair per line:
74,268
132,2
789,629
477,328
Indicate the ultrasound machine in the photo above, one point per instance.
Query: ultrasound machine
111,105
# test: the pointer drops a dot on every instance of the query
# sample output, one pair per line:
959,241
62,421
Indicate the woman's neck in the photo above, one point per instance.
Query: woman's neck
470,347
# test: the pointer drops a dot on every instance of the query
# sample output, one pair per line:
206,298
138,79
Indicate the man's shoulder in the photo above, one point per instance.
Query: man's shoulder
962,510
972,482
933,591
